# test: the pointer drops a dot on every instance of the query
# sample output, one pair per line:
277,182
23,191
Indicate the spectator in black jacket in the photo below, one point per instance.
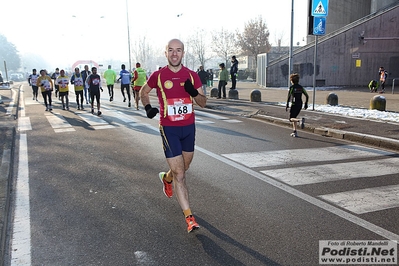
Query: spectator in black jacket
233,72
204,78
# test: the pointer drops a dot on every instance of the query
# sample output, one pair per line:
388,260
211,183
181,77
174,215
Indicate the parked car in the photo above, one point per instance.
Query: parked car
16,77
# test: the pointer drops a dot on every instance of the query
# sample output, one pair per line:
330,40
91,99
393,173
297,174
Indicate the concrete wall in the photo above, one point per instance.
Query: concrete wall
341,13
378,4
344,59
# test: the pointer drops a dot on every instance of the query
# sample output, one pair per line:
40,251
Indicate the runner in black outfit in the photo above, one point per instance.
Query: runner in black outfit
295,96
93,82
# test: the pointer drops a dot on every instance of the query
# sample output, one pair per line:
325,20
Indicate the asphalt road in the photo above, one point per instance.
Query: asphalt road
260,196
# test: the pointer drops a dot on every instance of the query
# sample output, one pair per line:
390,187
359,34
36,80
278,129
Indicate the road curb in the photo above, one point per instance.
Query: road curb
375,141
5,184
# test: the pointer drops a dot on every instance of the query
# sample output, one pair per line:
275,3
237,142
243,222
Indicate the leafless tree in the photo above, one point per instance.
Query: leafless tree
224,44
279,38
197,49
254,39
142,51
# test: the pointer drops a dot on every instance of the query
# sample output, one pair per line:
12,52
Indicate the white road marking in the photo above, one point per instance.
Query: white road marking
21,102
122,116
233,121
61,130
202,121
11,104
21,237
206,114
92,119
58,123
312,200
30,101
301,156
366,200
304,175
24,124
213,116
104,127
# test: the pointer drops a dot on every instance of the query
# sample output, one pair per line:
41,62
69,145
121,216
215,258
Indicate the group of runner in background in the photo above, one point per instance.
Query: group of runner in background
87,85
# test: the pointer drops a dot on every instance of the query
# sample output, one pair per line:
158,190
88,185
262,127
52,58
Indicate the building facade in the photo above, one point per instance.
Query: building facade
349,56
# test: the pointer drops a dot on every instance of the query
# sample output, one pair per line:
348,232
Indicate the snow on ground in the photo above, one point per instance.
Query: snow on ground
355,112
361,113
351,111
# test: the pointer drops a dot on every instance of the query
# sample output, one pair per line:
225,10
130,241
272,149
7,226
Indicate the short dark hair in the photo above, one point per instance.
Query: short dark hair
294,78
221,65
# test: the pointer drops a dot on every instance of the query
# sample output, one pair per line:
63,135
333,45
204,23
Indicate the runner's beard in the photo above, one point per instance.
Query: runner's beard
174,65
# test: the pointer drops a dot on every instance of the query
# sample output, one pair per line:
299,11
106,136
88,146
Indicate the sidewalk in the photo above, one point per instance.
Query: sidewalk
370,132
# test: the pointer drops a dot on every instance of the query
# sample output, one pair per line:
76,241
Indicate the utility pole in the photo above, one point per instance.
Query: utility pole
290,64
128,36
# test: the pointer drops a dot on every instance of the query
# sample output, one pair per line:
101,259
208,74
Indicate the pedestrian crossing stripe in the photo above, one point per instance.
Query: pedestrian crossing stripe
366,200
123,117
202,121
320,10
306,175
233,121
95,121
303,156
58,123
212,116
372,163
92,119
209,115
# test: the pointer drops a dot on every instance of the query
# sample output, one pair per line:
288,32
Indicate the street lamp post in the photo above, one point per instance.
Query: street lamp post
290,64
128,36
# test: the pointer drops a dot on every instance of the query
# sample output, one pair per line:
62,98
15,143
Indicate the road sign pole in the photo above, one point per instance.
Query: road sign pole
290,63
314,69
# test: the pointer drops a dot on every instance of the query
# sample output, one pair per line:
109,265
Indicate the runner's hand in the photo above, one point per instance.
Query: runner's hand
189,88
151,112
306,106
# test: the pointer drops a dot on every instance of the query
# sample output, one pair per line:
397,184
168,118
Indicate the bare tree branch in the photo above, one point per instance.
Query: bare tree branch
255,38
224,44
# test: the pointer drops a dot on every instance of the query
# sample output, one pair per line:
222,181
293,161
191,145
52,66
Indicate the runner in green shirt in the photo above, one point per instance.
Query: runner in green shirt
110,77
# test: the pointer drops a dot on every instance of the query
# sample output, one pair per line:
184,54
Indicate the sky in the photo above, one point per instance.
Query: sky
63,32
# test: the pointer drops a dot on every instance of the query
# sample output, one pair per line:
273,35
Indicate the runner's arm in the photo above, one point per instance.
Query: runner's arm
200,99
145,94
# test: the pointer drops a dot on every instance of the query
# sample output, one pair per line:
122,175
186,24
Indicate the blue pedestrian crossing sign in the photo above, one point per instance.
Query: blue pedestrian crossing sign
319,8
319,25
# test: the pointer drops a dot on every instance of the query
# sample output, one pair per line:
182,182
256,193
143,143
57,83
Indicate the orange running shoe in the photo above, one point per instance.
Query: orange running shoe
167,187
191,224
